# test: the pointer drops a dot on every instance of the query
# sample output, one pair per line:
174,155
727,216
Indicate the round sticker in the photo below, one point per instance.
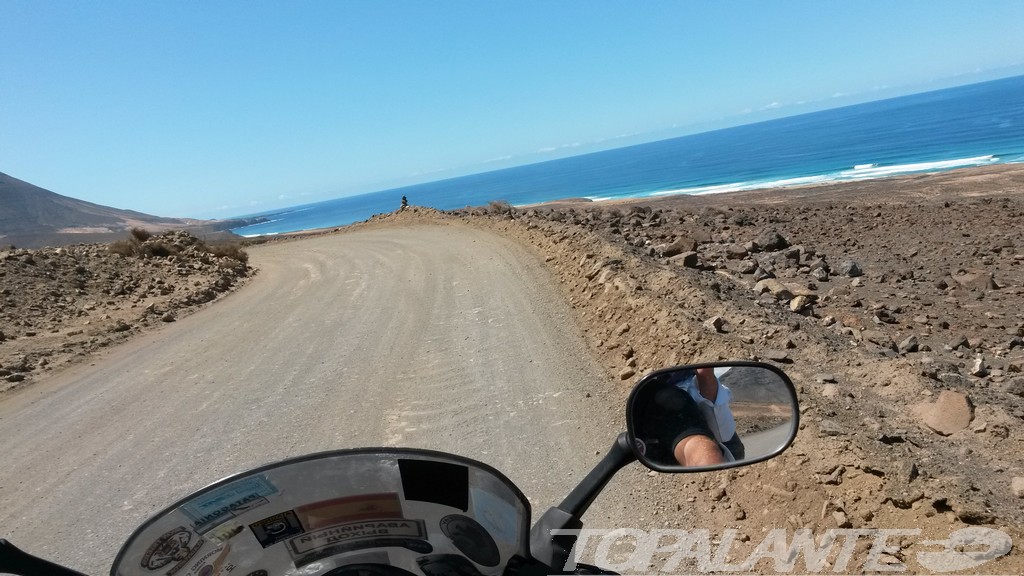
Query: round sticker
471,539
172,546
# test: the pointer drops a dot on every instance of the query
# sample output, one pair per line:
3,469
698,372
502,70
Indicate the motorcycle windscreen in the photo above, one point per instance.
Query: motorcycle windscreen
379,512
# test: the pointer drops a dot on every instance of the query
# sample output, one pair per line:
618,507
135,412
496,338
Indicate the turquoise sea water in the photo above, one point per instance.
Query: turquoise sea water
972,125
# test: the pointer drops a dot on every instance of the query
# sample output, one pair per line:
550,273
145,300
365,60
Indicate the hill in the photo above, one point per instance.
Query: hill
33,217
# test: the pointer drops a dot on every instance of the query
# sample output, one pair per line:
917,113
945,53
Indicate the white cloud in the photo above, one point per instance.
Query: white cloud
556,148
498,159
427,172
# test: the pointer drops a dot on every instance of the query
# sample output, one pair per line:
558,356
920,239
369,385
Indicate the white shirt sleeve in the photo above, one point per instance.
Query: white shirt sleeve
723,413
718,414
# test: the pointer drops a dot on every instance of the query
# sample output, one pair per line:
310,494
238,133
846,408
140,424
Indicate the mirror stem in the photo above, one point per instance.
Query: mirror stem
584,494
553,549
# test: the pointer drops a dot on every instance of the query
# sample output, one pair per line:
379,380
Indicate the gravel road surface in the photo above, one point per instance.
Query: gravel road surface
438,337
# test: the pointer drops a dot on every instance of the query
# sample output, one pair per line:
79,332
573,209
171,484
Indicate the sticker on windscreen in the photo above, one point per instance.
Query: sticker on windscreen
214,508
350,509
326,542
210,563
434,481
224,532
171,547
471,539
276,528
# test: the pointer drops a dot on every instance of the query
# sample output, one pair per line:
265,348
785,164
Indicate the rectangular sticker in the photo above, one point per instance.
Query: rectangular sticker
350,509
276,528
313,541
442,483
212,509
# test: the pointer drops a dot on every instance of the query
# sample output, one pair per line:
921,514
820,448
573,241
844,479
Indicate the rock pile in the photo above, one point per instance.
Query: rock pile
59,304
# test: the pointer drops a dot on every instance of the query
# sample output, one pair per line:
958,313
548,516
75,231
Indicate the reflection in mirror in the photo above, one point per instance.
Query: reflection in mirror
711,416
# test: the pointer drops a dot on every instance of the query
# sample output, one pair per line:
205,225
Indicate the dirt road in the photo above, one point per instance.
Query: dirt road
432,336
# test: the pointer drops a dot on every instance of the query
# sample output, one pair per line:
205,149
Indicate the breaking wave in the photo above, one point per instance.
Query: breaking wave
858,172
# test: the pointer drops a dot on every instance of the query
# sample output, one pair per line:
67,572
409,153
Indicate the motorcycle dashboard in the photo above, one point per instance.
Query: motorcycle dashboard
364,512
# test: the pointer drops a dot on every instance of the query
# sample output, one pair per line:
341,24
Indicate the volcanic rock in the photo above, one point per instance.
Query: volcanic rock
951,413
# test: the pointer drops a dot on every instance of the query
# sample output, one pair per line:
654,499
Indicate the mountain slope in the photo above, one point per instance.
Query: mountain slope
31,216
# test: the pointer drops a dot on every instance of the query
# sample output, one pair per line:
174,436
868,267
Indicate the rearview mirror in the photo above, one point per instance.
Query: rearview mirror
711,416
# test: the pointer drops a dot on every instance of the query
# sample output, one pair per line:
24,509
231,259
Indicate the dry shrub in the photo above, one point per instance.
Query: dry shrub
233,251
499,207
159,249
132,247
129,247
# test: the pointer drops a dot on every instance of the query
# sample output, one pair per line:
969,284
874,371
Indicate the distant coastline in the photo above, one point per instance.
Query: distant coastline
980,181
993,179
1011,172
968,126
858,173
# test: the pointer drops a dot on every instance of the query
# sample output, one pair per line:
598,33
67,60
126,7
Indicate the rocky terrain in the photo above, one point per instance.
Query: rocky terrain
58,305
895,305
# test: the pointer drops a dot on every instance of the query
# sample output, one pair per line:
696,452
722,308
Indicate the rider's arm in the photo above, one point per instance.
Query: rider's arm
707,383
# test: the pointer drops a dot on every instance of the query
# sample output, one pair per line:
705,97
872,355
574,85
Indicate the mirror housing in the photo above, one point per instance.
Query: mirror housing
711,416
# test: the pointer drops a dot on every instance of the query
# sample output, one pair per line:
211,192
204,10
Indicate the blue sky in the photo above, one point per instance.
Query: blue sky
215,109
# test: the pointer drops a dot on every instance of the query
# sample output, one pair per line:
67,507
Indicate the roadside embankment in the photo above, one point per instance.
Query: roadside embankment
59,305
894,305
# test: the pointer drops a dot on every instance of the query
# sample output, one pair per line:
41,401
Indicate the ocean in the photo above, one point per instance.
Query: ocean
973,125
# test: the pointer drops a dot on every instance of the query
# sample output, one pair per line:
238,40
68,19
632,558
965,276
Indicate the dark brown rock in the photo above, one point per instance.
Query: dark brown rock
771,240
686,259
680,245
850,269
